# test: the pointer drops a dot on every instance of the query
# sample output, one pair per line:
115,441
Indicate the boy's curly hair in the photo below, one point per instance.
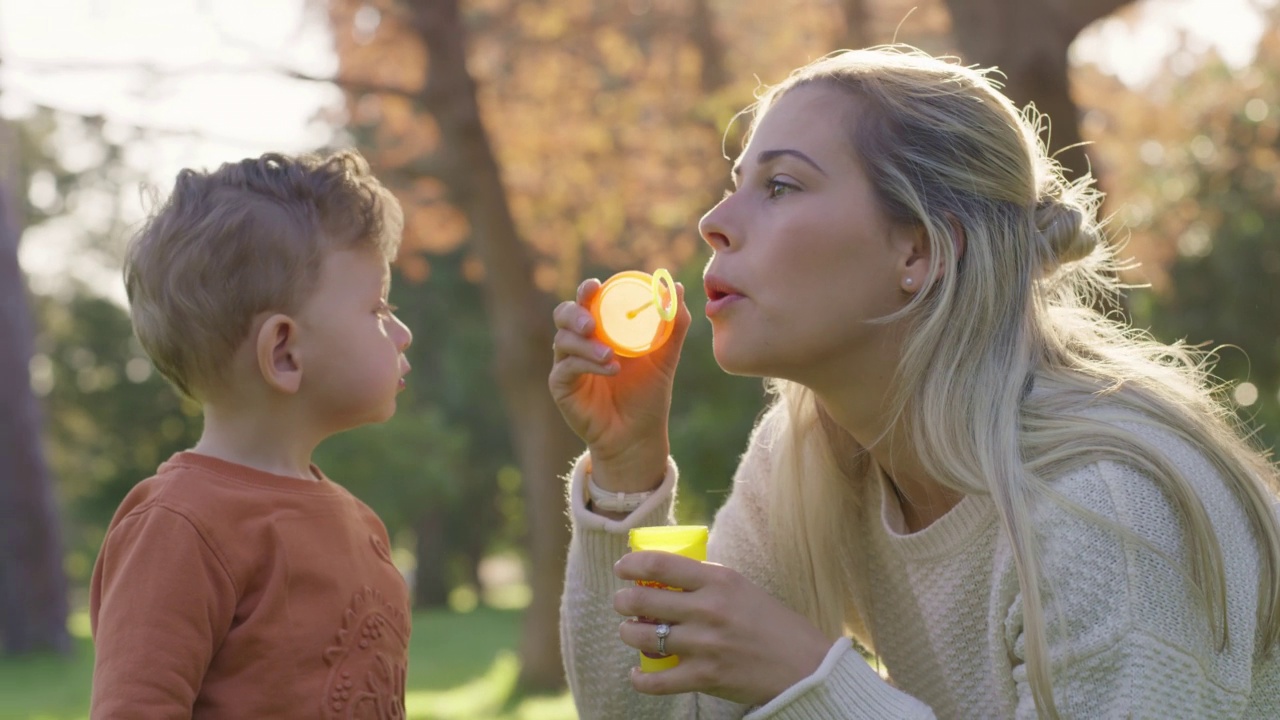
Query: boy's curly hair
245,239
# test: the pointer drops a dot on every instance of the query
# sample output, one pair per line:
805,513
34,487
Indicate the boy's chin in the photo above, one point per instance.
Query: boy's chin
388,413
377,417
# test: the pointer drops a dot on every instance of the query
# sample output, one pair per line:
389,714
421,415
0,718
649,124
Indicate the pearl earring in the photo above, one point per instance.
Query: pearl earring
908,281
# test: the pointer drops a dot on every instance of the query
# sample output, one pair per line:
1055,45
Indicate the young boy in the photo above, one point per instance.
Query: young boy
239,581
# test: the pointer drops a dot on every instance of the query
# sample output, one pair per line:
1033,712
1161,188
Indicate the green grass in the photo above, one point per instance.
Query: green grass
461,665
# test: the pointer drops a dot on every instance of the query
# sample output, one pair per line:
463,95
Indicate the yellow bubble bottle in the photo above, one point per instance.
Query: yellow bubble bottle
687,540
635,311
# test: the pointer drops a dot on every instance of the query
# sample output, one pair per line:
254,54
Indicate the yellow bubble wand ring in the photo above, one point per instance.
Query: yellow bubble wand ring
667,310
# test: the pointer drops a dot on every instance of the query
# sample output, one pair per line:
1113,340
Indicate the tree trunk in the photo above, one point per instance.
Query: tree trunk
857,24
520,318
430,579
702,32
33,591
1028,40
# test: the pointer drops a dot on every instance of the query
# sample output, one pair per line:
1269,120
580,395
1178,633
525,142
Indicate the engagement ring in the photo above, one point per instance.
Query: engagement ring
662,631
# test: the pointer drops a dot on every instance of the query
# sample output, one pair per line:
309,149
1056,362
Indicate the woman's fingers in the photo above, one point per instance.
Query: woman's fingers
643,636
734,639
586,289
572,316
649,602
573,340
567,373
574,354
693,672
683,317
673,571
666,568
571,344
678,679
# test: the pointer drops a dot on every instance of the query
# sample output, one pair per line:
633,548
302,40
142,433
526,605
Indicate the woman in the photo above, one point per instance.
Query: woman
1021,507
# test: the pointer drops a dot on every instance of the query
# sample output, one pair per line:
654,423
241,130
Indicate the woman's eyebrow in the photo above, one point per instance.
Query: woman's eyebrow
768,156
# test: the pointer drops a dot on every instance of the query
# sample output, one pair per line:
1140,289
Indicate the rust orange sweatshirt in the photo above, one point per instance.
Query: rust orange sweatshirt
222,591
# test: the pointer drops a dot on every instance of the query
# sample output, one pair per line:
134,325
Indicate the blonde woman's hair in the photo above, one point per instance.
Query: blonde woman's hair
245,239
946,151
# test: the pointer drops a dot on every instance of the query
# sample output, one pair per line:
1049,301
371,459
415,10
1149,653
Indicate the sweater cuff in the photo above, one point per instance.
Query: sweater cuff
843,686
602,541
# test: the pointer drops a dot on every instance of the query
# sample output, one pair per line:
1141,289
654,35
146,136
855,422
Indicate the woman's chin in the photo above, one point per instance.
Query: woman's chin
735,362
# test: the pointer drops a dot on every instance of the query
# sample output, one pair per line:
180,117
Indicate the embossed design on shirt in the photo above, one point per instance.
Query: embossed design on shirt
381,548
366,663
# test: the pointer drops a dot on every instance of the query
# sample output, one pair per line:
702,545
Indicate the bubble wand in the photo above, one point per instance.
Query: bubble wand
635,312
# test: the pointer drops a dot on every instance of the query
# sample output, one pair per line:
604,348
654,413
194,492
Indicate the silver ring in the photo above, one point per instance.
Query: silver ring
662,631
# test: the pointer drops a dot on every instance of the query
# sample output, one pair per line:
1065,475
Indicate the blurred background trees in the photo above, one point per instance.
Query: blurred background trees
534,143
33,593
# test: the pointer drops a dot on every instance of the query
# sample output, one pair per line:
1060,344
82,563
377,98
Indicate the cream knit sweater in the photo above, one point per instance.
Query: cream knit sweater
943,611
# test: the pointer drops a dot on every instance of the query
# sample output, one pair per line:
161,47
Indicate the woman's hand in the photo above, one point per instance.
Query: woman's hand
618,406
735,640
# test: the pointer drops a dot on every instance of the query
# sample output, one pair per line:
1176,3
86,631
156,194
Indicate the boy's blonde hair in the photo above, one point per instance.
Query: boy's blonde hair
245,239
945,150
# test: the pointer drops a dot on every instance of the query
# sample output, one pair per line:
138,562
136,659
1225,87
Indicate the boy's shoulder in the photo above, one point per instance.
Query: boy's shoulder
204,488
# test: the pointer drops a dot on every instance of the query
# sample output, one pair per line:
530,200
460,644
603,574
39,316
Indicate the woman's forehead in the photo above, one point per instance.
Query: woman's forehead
815,119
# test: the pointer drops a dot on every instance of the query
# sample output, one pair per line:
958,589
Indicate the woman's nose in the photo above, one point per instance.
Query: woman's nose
714,228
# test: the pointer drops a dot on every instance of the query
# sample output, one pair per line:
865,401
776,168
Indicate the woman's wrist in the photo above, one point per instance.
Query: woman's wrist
638,473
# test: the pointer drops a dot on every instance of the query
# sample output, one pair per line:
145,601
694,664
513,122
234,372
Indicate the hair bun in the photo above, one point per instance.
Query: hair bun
1065,230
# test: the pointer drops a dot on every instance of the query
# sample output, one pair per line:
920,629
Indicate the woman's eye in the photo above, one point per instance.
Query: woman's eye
775,188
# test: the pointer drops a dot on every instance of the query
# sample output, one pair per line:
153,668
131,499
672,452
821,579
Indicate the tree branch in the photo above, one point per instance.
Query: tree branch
354,85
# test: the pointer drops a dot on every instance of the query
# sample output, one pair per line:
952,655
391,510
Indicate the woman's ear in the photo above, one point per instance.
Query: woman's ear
279,360
913,242
918,254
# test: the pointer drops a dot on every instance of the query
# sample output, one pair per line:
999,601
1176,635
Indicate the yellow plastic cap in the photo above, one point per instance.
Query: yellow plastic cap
687,540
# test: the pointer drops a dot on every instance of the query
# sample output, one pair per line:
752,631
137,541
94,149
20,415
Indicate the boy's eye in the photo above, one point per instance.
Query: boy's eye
385,310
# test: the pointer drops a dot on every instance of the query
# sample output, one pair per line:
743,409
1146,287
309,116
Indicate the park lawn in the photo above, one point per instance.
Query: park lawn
461,665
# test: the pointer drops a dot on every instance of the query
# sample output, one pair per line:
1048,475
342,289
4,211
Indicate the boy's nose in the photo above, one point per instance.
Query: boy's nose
406,336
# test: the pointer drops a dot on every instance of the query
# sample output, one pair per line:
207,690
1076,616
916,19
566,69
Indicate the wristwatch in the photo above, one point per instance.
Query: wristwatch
602,499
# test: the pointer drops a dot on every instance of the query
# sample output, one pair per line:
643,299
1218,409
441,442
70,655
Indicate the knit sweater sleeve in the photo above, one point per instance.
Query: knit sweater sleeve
598,663
1127,632
160,604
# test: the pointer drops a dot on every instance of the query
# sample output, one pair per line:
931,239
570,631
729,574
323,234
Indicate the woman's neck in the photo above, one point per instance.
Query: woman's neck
861,411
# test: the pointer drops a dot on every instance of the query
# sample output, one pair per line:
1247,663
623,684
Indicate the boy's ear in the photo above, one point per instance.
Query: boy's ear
277,351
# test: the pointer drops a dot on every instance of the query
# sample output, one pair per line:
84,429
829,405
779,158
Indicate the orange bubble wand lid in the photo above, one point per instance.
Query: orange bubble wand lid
635,312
